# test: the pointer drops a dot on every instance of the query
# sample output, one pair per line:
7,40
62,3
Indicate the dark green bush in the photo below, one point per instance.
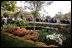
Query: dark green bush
51,31
42,35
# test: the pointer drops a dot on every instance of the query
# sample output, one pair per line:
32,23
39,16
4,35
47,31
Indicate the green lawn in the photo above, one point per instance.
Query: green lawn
7,41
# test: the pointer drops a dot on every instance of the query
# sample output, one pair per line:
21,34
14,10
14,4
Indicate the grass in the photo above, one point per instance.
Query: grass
7,41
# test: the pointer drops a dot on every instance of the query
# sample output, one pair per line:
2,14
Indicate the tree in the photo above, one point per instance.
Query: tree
28,15
11,14
59,16
8,5
48,17
56,16
23,14
36,6
67,16
2,12
38,15
16,14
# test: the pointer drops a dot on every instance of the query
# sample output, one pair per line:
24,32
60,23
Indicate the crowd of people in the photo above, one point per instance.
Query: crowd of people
52,20
6,20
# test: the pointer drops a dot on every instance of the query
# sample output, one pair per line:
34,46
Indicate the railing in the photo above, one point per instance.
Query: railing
45,24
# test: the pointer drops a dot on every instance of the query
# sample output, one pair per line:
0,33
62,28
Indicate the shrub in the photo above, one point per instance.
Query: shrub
10,26
42,35
9,30
64,30
51,31
20,22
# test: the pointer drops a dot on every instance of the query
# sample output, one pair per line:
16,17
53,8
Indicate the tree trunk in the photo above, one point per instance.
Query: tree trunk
34,23
34,19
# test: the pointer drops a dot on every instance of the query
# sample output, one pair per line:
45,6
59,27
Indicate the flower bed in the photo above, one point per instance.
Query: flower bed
58,37
46,36
28,36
